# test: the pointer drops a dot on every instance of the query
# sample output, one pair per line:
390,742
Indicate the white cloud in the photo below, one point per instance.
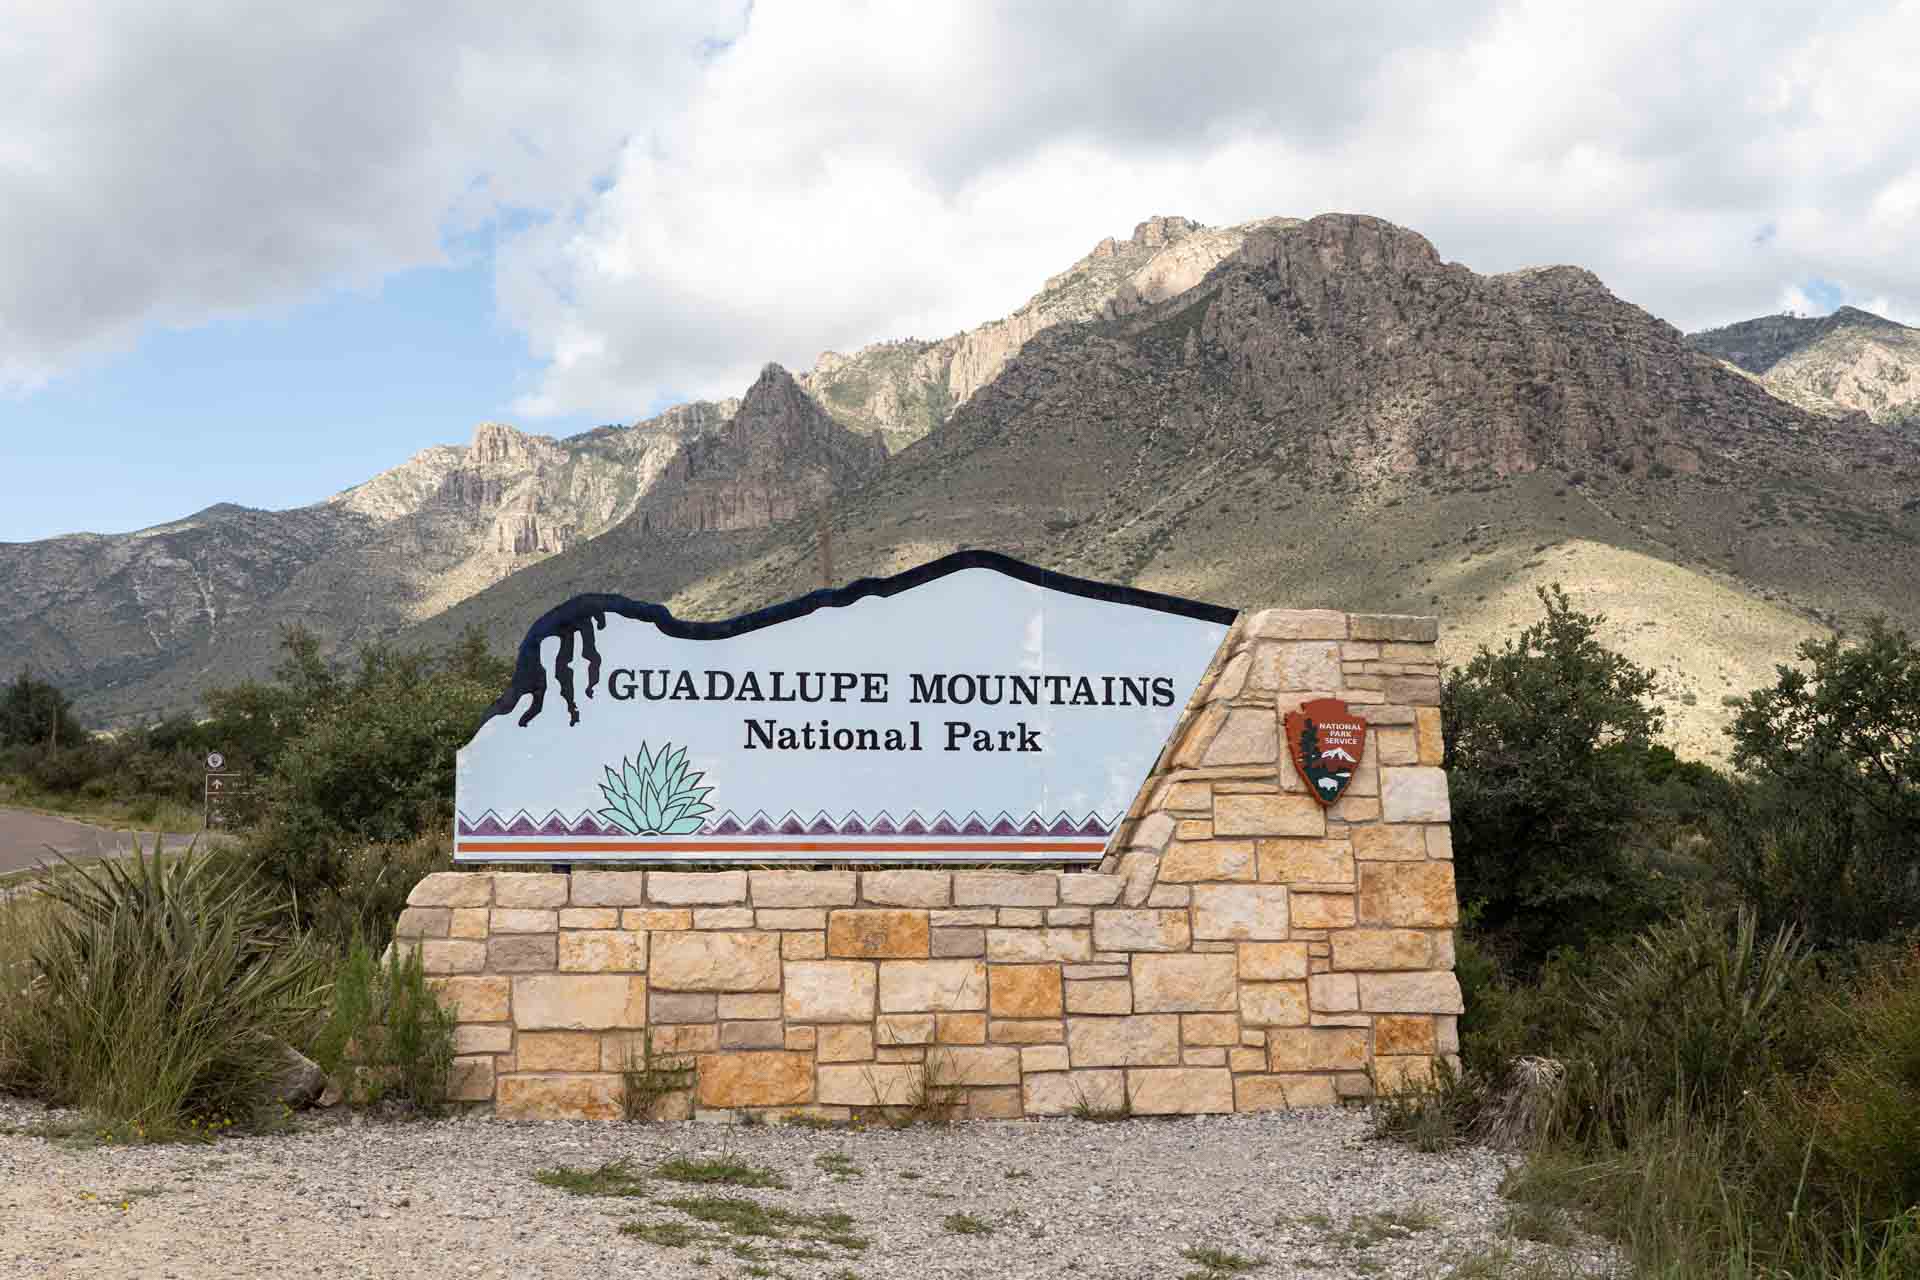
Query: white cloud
845,172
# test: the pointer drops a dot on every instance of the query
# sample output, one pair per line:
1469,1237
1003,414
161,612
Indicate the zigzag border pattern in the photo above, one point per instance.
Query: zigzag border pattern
760,823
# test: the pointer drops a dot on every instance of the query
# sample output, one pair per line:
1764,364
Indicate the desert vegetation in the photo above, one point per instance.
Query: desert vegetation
1693,996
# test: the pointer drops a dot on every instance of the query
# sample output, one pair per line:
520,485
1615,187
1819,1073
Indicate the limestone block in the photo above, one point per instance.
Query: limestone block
1240,912
1414,691
1353,1084
1180,1091
1406,1074
752,1035
1268,815
603,951
1021,917
452,889
469,922
1140,1040
1414,794
1170,895
906,888
914,986
538,889
1190,860
1319,910
1104,996
974,1065
1232,678
962,917
1026,1031
803,888
829,990
558,1051
1185,797
1332,993
1446,1034
1005,889
1442,943
960,1028
424,922
959,942
1037,945
802,1037
1316,1049
1198,735
1251,735
1396,745
521,953
1382,843
1282,1092
1244,1059
484,1038
698,1037
470,1078
773,1078
1415,894
682,1006
1152,832
1273,961
516,920
790,918
1065,1092
578,1001
1138,870
1305,861
1296,665
723,917
1089,889
654,919
1432,745
1297,624
1403,628
715,961
1000,1103
1083,972
1024,991
1381,949
1439,843
870,1084
748,1006
1355,809
1043,1057
1209,1029
1070,917
905,1028
1141,929
589,917
566,1097
844,1044
1183,983
608,888
1404,1033
474,999
882,932
1429,992
1273,1004
700,888
803,946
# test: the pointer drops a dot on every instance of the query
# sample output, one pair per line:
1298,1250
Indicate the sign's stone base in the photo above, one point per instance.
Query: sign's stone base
1242,949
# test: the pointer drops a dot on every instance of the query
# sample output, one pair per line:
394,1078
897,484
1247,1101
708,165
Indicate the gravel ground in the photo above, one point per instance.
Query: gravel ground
340,1197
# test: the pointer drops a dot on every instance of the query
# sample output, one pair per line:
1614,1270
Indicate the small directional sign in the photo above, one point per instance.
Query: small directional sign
223,790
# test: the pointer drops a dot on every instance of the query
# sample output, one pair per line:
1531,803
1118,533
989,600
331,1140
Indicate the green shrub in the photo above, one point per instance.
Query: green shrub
388,1038
161,990
366,898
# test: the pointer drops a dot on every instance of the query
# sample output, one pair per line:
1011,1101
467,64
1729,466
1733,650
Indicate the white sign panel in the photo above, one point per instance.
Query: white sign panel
973,709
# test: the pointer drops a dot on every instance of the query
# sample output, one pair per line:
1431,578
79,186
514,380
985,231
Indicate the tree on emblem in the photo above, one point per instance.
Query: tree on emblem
654,795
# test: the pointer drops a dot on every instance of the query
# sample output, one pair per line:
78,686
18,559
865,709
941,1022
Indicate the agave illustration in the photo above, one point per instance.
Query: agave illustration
655,795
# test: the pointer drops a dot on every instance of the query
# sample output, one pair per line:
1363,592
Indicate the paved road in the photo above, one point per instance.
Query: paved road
25,837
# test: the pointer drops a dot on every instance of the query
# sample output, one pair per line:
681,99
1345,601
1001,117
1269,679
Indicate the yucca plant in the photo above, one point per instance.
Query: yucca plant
162,990
654,794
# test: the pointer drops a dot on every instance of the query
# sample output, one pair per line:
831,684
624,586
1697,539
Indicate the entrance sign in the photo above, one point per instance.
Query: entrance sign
972,709
1327,741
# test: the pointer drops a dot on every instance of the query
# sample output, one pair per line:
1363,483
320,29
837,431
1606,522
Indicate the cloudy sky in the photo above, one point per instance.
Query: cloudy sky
259,260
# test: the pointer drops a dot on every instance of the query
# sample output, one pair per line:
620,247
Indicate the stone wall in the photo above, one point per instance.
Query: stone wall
1241,949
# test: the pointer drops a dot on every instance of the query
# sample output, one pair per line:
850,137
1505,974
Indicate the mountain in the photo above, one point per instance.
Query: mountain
1849,362
1298,412
1334,415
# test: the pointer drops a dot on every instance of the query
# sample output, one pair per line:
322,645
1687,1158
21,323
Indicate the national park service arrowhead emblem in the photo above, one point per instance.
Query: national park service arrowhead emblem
1326,740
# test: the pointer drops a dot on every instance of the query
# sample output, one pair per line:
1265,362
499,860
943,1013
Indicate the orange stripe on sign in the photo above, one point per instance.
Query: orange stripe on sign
794,846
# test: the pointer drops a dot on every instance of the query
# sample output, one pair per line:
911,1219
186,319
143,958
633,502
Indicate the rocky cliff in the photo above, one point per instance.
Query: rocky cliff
1849,362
